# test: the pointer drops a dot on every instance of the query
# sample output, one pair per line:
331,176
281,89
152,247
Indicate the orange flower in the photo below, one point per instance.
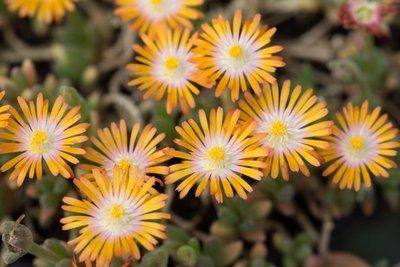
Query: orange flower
112,148
360,145
163,68
152,15
290,121
45,10
118,214
219,153
3,109
237,55
39,135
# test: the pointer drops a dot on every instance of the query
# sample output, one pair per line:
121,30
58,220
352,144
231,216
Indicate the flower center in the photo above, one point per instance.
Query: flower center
357,142
278,129
171,63
155,2
39,143
216,159
366,12
236,51
125,164
216,153
117,211
359,147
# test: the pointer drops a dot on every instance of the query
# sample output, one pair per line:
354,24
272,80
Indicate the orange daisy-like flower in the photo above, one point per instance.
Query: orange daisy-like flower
219,153
3,115
163,67
39,135
361,144
118,214
289,120
45,10
237,55
152,15
113,149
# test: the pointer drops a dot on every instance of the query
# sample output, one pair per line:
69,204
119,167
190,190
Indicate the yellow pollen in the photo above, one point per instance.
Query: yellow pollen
235,51
172,63
117,211
216,153
278,129
38,142
357,142
155,2
125,164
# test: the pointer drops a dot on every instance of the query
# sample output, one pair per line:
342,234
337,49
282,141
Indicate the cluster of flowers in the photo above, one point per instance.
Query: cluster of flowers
274,132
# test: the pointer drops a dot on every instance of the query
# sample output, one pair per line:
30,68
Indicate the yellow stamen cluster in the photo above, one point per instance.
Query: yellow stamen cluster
278,129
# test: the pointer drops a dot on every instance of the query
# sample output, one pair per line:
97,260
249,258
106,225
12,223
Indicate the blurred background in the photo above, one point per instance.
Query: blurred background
305,222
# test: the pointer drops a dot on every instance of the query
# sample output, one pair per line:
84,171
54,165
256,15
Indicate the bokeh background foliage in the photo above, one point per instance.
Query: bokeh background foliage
303,222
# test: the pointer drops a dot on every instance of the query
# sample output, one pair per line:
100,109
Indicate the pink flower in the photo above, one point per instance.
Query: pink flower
367,15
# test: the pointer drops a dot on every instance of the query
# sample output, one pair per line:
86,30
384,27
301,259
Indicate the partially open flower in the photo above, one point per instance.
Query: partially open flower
112,147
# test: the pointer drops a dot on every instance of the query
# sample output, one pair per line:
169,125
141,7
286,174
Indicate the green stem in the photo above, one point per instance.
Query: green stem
43,253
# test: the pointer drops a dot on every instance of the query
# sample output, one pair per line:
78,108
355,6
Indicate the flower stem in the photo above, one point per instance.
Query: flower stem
43,253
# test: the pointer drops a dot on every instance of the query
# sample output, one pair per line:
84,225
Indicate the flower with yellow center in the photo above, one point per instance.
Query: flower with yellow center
42,135
113,148
44,10
118,214
238,55
4,116
219,153
152,15
163,68
360,145
290,121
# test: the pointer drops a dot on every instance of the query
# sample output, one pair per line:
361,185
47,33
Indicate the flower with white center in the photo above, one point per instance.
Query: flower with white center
117,215
360,145
289,119
42,135
152,15
219,153
111,147
237,56
370,16
44,10
163,68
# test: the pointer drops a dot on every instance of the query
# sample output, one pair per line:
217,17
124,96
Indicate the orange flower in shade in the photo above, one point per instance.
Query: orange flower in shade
290,121
45,10
151,15
38,135
163,68
238,56
117,215
360,145
3,115
112,148
219,153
